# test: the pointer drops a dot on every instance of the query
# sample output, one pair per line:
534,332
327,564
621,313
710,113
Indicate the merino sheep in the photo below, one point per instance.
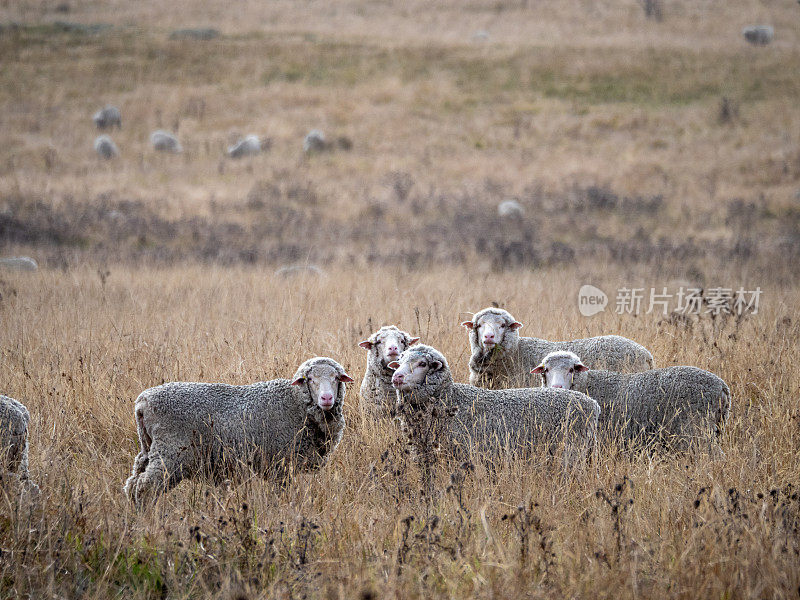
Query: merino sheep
314,141
510,209
383,347
165,142
218,430
673,406
14,419
248,146
19,263
501,358
105,147
107,117
759,35
462,419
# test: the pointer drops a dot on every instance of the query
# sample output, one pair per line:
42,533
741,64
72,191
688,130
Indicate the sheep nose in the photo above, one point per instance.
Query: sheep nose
327,398
392,349
488,337
397,378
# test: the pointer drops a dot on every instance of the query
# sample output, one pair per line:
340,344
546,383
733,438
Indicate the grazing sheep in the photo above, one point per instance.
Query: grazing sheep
248,146
314,141
501,358
462,419
165,142
219,431
291,270
105,147
107,117
19,263
673,406
510,209
383,347
759,35
14,419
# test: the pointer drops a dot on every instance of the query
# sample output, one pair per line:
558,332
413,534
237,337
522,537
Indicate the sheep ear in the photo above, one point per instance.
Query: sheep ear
394,365
580,368
515,325
412,341
299,381
468,324
366,344
345,378
436,365
539,369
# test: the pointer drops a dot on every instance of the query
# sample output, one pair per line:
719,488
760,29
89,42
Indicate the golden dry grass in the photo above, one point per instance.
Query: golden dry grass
606,127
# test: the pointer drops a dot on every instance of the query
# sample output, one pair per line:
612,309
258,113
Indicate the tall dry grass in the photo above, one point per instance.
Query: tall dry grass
78,347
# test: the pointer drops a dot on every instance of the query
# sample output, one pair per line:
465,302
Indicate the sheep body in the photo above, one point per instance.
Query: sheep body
759,35
164,141
672,405
14,418
105,147
19,263
248,146
510,209
377,392
510,362
217,430
314,141
107,117
466,419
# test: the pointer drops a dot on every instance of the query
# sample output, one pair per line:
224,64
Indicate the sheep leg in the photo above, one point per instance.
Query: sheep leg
163,471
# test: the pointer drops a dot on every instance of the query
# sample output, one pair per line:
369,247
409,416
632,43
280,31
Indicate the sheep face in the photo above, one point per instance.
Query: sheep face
493,328
559,370
323,382
389,343
413,369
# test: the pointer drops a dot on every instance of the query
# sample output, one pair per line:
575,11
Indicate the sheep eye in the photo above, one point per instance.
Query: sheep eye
572,370
423,364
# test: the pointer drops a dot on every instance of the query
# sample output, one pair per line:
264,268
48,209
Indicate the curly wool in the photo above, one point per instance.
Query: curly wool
509,364
14,418
218,430
376,388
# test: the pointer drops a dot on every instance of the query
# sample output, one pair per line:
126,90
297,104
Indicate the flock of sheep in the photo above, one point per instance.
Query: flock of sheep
523,393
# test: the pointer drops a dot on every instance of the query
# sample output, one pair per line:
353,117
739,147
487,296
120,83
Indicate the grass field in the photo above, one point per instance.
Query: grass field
607,127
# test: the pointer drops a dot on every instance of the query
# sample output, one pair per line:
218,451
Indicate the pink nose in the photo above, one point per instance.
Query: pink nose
558,385
488,337
392,349
397,378
326,398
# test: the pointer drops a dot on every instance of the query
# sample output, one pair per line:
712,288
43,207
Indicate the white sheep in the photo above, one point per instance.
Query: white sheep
105,147
672,406
501,358
464,420
14,418
383,347
216,430
314,141
247,146
510,209
164,141
107,117
19,263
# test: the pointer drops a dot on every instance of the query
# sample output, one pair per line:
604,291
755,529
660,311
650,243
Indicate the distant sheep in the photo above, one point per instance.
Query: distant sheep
461,420
672,406
217,430
165,142
107,117
383,347
248,146
314,142
19,263
105,147
759,35
290,270
14,418
501,358
510,209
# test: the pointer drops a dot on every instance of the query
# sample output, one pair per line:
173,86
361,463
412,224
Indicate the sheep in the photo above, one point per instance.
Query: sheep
463,420
759,35
248,146
501,358
165,142
314,142
14,419
673,405
105,147
275,428
383,347
510,209
19,263
107,117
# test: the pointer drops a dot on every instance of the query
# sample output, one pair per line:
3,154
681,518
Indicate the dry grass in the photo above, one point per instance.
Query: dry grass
607,126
